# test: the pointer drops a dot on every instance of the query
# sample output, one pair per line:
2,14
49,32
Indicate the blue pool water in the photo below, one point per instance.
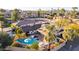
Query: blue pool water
29,40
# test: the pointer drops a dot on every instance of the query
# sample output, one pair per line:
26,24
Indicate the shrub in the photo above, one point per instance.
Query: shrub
71,31
5,39
28,47
35,46
17,45
62,22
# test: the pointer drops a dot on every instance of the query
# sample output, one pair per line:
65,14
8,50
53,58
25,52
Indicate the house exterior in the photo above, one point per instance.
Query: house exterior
7,14
31,24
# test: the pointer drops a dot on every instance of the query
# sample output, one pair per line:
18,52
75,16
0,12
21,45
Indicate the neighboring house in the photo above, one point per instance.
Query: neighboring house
7,14
23,14
33,14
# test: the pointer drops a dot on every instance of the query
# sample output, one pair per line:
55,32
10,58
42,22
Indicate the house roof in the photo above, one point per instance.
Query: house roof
30,24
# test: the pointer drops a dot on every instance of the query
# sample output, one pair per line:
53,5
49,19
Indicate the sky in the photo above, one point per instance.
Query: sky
36,4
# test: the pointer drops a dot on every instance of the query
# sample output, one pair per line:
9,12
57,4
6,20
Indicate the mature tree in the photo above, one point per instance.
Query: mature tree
2,10
50,36
73,13
60,23
51,11
1,25
58,12
62,12
2,20
5,39
2,16
74,8
15,15
39,12
71,31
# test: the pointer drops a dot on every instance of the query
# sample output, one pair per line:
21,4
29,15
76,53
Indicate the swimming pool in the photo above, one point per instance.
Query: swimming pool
29,40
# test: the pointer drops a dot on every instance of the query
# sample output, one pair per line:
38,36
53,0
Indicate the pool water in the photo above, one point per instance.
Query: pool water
29,40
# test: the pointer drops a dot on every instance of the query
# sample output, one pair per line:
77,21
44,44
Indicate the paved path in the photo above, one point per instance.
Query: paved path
71,46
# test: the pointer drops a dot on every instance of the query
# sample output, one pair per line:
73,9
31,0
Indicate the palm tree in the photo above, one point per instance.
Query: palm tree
60,23
62,11
74,12
50,36
1,25
2,19
2,10
74,8
39,12
51,11
15,15
18,35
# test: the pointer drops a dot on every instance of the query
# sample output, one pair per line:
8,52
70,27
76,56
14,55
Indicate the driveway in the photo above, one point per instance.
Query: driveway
71,45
